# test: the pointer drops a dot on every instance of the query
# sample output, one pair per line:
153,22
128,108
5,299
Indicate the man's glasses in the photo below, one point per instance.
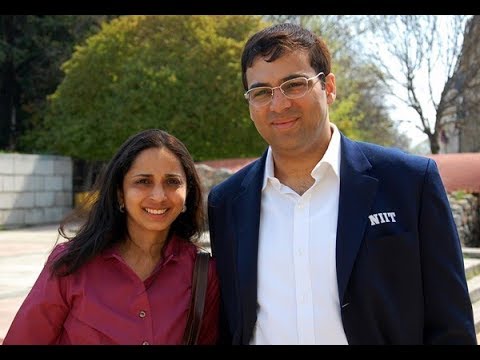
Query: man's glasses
292,89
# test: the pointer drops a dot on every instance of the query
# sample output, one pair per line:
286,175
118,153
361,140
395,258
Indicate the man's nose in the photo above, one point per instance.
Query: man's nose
279,100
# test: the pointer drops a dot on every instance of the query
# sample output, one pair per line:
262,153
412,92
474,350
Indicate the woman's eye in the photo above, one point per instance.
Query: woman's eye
173,181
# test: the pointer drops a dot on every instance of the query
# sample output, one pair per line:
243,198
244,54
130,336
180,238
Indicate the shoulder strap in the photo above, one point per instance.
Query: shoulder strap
199,290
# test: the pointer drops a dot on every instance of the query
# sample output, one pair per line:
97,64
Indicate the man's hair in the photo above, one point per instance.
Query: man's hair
274,41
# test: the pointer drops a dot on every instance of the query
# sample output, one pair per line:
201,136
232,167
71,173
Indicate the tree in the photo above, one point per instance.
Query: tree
32,47
420,46
178,73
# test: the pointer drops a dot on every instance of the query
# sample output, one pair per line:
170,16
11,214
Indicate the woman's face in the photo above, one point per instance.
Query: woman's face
154,191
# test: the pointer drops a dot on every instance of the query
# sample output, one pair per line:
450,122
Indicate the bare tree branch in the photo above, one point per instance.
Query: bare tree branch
417,45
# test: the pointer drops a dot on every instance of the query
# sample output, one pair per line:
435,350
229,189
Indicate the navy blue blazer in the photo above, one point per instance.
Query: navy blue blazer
399,282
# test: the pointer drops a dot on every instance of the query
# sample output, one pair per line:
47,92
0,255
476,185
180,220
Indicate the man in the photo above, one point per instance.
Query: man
325,240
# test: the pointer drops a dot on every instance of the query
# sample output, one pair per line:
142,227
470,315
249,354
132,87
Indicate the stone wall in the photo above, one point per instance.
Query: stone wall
34,189
210,176
466,212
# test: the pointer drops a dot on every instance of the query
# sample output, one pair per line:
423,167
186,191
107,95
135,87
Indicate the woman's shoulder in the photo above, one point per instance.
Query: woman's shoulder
191,250
57,251
185,246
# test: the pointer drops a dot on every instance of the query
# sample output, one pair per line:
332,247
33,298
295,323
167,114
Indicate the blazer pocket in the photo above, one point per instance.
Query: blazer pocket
395,249
392,265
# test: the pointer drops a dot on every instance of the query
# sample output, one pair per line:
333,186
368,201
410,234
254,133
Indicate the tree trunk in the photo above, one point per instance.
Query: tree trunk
434,144
9,89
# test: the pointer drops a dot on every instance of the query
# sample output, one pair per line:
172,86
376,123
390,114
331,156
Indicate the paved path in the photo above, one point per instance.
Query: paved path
22,255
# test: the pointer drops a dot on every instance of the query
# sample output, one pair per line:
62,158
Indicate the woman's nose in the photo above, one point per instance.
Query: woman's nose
158,193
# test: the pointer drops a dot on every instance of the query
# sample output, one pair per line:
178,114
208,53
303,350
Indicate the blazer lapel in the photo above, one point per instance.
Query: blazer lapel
357,192
246,212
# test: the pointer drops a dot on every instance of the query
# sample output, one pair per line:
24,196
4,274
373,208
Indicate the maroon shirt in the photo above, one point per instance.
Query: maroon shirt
105,302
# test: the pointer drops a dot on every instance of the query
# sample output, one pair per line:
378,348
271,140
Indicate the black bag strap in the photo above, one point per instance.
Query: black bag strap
199,291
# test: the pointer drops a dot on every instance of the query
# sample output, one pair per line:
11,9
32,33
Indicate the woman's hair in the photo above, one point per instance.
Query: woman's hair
103,224
277,40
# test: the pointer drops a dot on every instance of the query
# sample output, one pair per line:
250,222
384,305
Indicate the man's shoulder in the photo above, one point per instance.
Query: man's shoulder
383,154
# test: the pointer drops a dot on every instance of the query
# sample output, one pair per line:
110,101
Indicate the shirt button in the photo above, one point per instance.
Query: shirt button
145,343
142,314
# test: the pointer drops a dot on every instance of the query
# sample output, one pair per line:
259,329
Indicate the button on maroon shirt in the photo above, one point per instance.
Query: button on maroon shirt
105,302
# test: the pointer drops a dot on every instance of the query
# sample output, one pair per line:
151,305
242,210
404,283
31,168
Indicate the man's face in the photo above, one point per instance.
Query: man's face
291,125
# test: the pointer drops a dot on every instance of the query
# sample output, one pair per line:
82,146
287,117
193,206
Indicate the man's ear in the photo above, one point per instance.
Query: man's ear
330,88
331,98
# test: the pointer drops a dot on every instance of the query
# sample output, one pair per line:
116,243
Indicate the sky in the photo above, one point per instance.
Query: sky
401,111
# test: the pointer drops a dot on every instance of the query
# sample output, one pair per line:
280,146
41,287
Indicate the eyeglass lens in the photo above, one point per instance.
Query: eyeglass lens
292,89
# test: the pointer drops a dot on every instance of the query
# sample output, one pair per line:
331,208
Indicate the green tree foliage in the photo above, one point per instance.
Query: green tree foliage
32,47
178,73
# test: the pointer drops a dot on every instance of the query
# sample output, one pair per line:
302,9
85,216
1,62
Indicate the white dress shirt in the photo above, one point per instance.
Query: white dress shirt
297,280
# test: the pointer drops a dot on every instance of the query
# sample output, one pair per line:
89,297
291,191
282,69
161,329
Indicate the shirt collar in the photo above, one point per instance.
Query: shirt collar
331,157
172,249
268,175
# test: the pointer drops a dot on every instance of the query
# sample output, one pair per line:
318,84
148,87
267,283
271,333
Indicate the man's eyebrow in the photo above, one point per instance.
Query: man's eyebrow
289,77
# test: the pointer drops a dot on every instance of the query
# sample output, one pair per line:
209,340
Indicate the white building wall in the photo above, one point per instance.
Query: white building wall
34,189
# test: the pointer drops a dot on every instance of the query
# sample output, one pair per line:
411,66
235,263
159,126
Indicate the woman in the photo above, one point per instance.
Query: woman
125,277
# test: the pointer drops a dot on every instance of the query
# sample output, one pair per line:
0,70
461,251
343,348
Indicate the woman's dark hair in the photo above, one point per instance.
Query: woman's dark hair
276,40
104,224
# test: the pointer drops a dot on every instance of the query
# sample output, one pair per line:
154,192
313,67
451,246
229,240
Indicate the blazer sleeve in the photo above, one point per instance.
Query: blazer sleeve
448,309
40,318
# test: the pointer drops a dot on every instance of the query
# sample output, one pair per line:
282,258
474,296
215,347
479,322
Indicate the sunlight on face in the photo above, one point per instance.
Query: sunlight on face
154,191
297,125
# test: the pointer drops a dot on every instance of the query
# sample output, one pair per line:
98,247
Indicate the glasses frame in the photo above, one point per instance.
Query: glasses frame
272,89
